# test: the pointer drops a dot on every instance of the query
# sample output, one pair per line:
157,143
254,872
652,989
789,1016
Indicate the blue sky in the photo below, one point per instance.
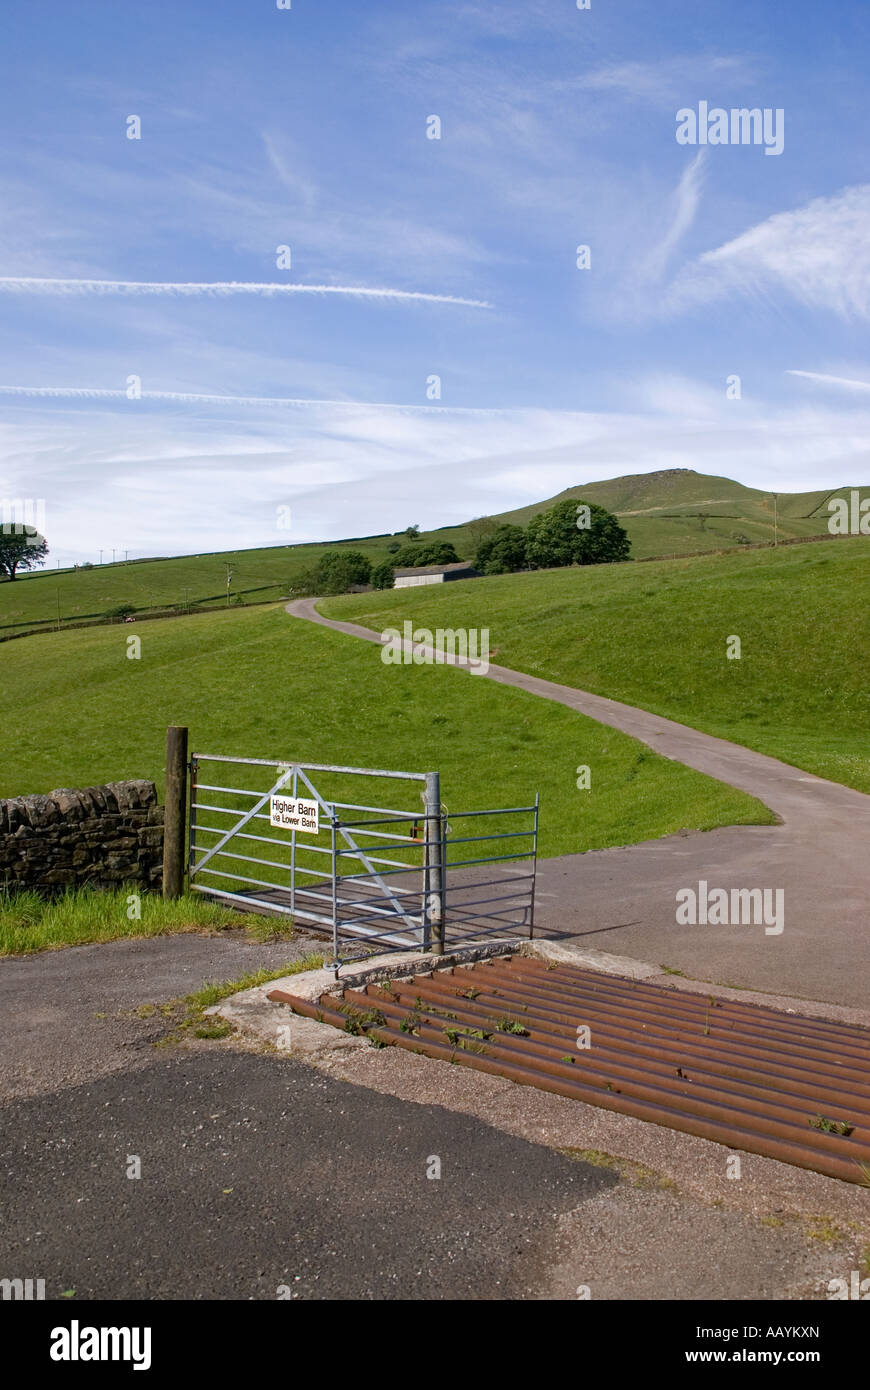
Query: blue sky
306,128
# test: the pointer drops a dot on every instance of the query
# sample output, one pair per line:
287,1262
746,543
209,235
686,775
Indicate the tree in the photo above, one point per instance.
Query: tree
336,572
21,548
481,528
436,553
575,533
502,552
382,576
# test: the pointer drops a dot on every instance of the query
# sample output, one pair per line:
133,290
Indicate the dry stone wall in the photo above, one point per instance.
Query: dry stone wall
101,836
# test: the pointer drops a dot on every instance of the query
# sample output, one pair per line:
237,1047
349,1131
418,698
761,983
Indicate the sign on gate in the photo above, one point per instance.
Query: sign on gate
290,813
379,880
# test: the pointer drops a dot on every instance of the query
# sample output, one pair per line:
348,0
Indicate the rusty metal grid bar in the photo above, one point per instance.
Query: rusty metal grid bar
792,1088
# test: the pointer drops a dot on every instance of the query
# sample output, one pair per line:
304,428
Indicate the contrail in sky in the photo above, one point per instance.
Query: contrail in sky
849,382
16,284
190,397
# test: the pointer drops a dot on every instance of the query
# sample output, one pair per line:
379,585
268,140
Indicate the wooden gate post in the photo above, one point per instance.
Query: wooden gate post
175,812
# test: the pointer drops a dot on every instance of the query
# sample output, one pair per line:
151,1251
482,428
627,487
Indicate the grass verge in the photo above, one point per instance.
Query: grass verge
189,1016
81,916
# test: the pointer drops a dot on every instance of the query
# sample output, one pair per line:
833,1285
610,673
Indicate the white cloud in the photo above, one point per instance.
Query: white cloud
684,207
818,254
170,480
661,83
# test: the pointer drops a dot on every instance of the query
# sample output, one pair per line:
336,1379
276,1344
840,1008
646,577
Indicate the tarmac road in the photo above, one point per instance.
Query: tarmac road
624,900
263,1177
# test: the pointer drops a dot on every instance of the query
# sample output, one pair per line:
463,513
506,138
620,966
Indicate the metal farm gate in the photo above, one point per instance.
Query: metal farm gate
288,838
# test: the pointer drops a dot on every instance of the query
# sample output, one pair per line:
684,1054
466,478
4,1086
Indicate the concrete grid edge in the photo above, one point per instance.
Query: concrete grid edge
254,1014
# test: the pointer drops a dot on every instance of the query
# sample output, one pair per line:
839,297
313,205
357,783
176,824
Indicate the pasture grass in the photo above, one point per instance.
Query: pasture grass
656,636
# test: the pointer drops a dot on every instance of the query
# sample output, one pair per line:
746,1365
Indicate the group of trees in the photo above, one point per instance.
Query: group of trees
336,572
412,557
568,533
438,553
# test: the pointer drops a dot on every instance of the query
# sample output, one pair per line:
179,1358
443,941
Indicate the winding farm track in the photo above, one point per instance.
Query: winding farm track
623,900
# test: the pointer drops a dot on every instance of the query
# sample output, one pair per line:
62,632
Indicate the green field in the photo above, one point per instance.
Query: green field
676,511
76,711
64,596
655,636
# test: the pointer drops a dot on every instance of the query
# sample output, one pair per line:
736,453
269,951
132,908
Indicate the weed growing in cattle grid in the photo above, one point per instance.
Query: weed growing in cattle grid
510,1025
831,1126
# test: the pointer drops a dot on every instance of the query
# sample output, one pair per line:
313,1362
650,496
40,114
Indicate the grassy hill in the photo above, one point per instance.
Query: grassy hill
75,711
676,511
654,635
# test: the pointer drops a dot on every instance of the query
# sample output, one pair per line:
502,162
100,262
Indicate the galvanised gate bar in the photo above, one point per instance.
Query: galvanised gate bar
286,838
